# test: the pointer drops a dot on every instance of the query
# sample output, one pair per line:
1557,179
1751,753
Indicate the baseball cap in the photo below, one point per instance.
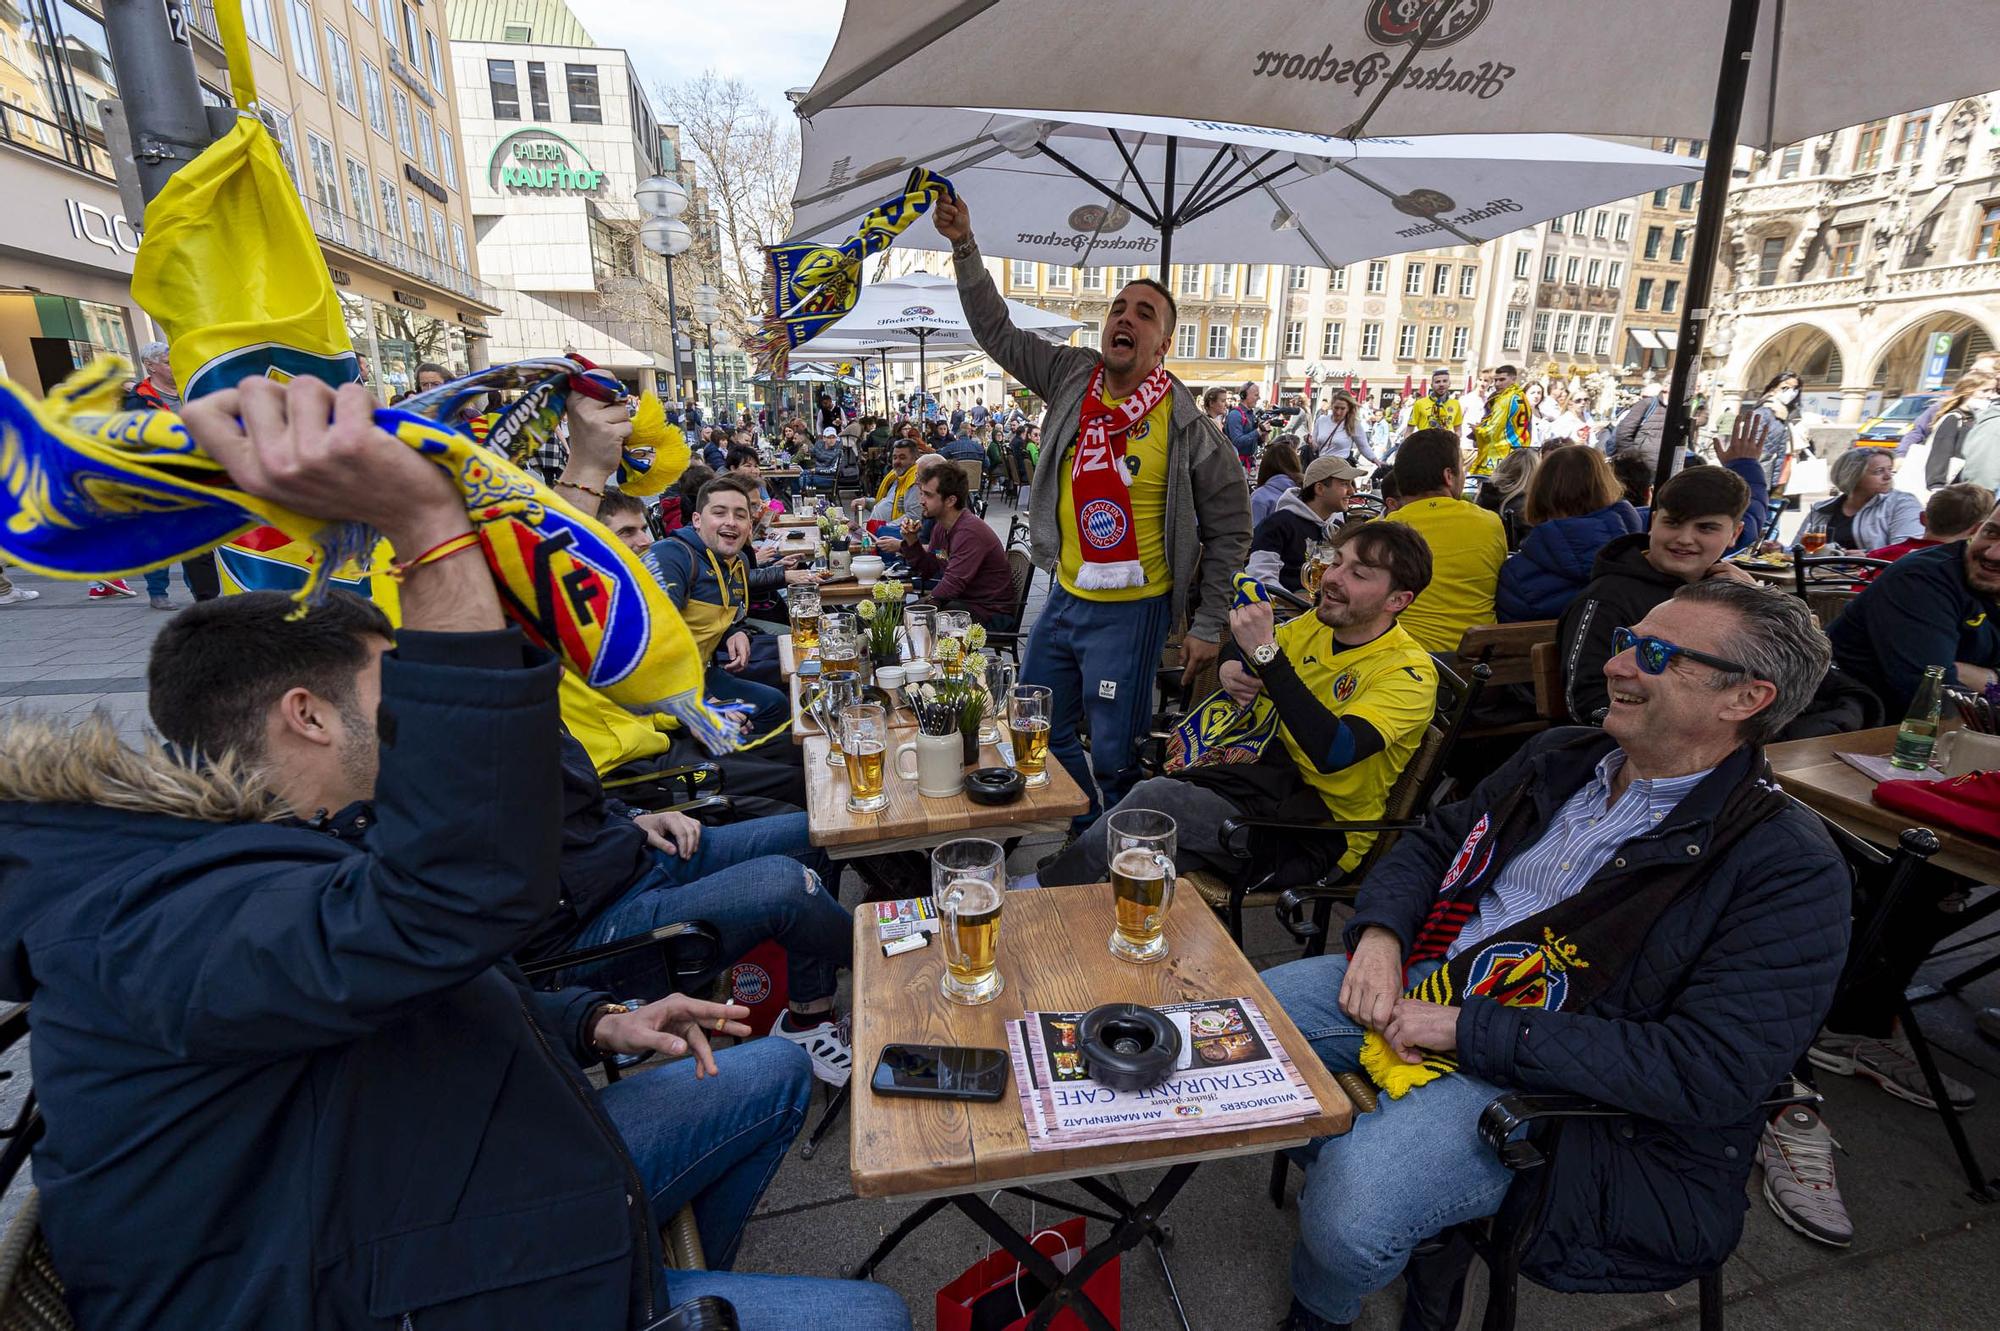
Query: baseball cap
1330,469
828,433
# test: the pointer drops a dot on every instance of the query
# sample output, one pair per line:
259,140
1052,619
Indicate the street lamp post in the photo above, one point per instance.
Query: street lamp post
663,199
707,310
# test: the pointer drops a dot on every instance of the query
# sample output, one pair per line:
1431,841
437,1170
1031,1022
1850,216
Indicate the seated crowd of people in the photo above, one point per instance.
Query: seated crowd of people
298,946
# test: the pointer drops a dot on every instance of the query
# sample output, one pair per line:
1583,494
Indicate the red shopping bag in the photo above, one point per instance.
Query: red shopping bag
998,1294
758,983
1968,804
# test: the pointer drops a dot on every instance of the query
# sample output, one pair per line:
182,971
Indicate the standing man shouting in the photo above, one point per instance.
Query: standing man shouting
1137,502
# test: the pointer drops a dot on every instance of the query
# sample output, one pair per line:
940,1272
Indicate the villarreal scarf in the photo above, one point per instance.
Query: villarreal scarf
813,285
1562,958
1101,483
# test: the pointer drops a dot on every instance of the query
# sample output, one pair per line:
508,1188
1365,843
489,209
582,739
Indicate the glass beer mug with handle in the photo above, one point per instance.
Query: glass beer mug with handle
864,739
1141,846
836,691
803,603
1028,719
969,882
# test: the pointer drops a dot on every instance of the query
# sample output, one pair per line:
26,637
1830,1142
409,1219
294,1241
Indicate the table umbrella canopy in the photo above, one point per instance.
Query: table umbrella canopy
1414,67
920,308
1088,190
808,374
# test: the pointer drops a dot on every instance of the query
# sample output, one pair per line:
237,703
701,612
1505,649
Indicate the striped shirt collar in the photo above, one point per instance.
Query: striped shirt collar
1659,795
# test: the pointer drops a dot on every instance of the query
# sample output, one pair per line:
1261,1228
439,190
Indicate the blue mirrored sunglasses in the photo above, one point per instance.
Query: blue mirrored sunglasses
1654,655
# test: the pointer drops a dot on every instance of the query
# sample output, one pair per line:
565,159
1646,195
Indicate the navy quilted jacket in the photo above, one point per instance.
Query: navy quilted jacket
1555,563
1710,1014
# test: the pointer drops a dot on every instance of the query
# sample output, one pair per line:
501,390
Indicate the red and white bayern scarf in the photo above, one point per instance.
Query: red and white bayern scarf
1101,484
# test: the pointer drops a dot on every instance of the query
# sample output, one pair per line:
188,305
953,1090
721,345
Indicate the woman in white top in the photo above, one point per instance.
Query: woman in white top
1567,422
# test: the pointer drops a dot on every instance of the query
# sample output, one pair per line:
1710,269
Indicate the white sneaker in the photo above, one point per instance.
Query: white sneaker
19,595
827,1044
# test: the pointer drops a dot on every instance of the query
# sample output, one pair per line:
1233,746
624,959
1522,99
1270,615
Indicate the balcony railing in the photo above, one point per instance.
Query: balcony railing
1978,275
40,135
348,233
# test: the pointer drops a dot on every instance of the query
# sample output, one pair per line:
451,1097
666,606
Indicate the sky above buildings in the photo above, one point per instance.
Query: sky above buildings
771,45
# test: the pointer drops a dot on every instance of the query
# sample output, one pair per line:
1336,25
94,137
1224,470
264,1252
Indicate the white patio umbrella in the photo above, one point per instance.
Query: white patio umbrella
1757,72
920,310
1090,189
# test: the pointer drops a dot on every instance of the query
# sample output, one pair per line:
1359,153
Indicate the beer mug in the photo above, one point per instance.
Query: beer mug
919,630
803,603
1141,846
954,624
839,641
968,882
1028,731
999,684
837,691
1319,556
864,738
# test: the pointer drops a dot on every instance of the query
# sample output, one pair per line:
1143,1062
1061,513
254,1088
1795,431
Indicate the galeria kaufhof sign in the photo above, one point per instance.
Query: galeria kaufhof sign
541,160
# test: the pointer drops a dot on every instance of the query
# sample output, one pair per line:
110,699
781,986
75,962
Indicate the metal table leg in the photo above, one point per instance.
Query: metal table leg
827,1118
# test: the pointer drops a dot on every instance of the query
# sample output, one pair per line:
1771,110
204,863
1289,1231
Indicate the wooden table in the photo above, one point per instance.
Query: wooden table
1777,575
1053,958
1812,772
918,822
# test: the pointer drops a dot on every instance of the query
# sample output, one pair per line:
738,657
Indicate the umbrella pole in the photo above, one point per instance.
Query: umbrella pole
1738,38
1167,215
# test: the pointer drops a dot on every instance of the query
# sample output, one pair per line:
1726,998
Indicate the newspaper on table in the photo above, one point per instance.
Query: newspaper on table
1232,1074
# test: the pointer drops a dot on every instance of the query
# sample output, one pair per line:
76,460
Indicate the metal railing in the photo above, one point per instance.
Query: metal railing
44,137
351,234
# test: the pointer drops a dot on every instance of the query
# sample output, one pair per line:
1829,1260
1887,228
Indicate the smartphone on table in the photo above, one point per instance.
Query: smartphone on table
944,1072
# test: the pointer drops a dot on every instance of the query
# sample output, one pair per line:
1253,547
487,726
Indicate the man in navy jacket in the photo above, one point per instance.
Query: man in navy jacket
1708,1012
288,1076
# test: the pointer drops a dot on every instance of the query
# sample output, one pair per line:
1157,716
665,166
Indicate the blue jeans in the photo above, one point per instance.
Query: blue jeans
714,1144
1099,659
1410,1169
774,706
753,881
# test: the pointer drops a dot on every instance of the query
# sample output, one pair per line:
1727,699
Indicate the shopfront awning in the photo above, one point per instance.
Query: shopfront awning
1644,338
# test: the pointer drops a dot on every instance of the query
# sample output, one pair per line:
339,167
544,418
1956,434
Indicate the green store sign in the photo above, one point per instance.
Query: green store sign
543,160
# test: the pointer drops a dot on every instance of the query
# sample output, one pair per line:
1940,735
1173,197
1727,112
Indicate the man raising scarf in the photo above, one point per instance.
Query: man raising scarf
1139,505
1634,915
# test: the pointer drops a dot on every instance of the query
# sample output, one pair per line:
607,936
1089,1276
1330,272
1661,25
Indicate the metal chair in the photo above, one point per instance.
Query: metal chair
1022,570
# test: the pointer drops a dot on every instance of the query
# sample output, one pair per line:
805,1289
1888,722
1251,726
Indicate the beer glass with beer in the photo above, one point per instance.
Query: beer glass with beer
864,738
1141,843
804,605
969,881
1028,730
1319,556
839,641
836,691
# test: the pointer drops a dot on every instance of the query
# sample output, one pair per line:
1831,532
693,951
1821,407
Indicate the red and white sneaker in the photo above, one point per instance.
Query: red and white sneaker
110,589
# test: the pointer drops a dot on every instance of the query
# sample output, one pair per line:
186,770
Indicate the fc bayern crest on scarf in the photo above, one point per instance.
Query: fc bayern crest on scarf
1101,485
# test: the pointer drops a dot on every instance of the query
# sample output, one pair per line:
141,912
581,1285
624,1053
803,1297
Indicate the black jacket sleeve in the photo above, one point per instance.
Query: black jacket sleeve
1334,741
1584,636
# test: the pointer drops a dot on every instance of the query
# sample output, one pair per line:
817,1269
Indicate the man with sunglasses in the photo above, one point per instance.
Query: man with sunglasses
1634,914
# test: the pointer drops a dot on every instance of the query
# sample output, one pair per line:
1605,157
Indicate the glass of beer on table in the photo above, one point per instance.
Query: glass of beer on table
804,605
1141,845
836,691
839,641
864,738
1812,542
969,881
1319,556
1028,730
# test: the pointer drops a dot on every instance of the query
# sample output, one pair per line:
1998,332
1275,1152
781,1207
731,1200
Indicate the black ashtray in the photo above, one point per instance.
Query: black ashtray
994,785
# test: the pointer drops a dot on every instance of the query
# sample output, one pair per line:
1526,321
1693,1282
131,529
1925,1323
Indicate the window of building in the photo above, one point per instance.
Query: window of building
1093,279
410,30
1670,295
1986,245
1540,343
538,91
1551,265
305,41
1057,278
1092,338
1295,338
1868,142
1338,280
1688,193
1378,277
392,208
1672,145
1654,236
1843,252
324,168
458,255
1441,280
503,80
1254,281
1768,259
1413,279
1614,276
1295,278
1910,142
341,57
280,125
1371,341
1660,197
1600,224
1188,279
1225,279
1218,341
1510,332
1406,342
1185,338
258,22
1023,274
371,91
438,234
1572,269
405,135
414,209
1523,264
1594,272
427,142
1468,281
1624,232
1250,342
584,107
1642,299
365,8
1433,341
1604,336
1121,276
1329,341
448,159
388,25
1788,161
1577,222
1563,322
1555,226
432,61
359,195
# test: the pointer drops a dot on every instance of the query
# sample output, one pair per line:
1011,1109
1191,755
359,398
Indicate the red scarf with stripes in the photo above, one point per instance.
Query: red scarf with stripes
1100,480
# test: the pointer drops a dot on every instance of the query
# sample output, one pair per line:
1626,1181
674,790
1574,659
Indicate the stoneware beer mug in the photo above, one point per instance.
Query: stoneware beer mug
937,764
1141,846
1962,751
969,881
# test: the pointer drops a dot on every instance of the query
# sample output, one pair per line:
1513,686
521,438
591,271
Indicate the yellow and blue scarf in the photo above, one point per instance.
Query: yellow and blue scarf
813,285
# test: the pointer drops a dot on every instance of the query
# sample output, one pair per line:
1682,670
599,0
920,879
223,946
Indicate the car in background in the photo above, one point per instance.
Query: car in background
1888,429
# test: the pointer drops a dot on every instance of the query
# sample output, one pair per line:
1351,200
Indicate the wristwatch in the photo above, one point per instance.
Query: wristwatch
1264,653
964,249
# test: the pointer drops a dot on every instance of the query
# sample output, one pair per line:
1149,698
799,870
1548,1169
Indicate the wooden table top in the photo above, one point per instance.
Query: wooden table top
1776,574
915,822
1811,771
1053,958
